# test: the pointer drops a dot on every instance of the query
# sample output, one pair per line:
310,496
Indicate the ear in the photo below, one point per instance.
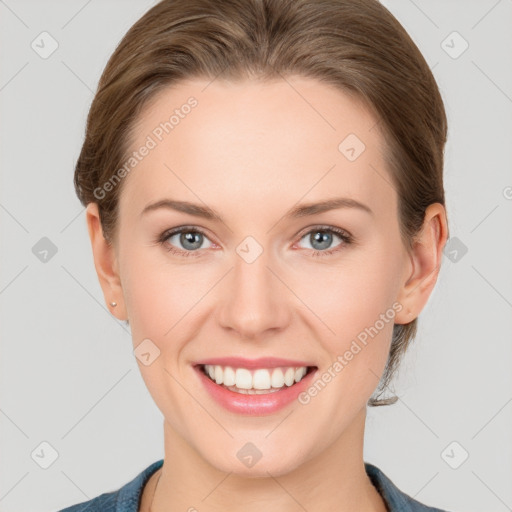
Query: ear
425,258
105,262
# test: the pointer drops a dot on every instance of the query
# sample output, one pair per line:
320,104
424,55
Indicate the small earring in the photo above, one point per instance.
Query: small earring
113,304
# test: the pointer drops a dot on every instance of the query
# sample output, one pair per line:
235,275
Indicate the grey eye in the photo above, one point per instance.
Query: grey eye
320,239
189,240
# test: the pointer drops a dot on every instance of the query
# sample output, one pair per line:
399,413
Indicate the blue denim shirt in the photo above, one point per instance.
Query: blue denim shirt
127,498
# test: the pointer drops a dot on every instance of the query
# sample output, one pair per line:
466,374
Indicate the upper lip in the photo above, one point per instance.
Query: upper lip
261,362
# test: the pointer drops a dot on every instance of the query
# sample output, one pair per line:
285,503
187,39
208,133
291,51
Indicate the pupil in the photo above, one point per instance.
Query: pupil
318,237
189,238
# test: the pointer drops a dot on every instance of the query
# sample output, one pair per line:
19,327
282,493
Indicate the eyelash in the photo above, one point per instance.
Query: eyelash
345,237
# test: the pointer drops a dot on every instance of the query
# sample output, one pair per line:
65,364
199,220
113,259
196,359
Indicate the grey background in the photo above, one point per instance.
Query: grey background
68,375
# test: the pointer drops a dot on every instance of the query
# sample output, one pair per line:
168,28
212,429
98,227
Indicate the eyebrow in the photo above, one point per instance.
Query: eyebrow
303,210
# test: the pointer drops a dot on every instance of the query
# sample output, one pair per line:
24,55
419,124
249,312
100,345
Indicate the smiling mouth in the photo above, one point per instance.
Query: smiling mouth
256,381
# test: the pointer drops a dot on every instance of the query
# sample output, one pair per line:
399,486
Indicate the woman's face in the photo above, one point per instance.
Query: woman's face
251,284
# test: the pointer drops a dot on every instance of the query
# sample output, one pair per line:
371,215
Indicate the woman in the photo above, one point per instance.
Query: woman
265,203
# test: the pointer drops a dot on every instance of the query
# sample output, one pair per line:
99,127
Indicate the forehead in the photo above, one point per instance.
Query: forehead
244,141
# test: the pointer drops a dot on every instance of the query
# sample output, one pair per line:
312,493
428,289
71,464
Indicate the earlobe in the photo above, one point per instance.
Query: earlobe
105,262
425,256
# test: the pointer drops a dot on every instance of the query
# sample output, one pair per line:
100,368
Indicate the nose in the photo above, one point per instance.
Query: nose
256,300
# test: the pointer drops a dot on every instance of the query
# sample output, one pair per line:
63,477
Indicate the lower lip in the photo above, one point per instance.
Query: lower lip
254,405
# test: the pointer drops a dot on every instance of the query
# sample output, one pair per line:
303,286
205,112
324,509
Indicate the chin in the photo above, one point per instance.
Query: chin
258,460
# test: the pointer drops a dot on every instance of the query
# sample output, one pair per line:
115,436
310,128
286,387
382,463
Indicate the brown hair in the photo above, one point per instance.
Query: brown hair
355,45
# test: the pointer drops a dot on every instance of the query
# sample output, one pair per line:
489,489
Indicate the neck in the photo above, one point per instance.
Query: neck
334,479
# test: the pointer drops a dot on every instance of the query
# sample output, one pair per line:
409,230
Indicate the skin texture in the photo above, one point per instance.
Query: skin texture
253,150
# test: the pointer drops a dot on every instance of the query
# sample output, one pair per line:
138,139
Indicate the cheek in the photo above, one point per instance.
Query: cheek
156,292
357,308
157,298
354,294
165,303
149,294
362,316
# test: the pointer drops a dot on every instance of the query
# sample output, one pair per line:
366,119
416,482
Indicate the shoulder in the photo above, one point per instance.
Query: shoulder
125,499
395,499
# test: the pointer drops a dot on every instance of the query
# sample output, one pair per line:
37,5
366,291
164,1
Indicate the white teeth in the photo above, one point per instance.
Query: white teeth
243,378
302,372
261,379
289,376
277,378
218,375
229,376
